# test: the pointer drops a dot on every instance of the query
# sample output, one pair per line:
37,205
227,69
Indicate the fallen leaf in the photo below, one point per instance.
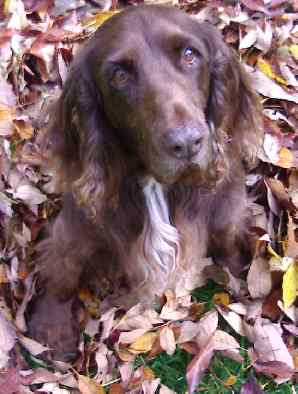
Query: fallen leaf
167,340
165,390
29,194
269,88
129,337
221,299
268,344
34,347
207,326
143,344
251,386
116,388
97,20
259,279
294,50
7,339
290,285
221,340
89,386
150,387
197,367
232,318
230,381
188,331
266,68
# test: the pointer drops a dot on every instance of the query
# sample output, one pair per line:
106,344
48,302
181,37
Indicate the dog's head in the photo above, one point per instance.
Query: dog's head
155,88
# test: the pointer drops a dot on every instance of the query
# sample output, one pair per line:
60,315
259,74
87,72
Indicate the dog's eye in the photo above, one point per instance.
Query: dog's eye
119,77
190,56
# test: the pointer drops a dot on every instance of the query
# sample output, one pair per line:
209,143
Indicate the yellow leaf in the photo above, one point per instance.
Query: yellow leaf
143,344
89,386
286,158
294,50
125,356
266,68
148,374
290,285
97,20
24,130
6,7
230,381
92,303
221,299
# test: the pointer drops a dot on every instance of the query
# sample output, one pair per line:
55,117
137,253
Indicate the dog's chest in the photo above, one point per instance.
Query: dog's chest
165,249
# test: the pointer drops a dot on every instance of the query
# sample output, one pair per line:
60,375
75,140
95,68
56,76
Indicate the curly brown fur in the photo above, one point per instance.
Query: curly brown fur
148,140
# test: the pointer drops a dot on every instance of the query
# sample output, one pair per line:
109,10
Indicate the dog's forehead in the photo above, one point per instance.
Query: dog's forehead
145,27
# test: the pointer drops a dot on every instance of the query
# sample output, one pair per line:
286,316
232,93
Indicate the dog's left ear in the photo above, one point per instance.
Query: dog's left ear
233,105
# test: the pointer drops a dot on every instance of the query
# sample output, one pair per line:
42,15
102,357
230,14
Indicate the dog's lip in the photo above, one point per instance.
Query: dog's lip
183,171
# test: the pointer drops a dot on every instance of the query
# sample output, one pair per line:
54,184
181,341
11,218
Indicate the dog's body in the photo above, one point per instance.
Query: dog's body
149,137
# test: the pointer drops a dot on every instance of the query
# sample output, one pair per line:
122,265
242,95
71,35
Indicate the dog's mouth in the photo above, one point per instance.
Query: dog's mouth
186,173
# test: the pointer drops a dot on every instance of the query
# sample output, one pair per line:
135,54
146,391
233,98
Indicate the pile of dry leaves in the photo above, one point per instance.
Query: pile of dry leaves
37,42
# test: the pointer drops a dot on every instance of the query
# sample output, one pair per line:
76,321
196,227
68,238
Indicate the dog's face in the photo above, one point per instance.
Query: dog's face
153,73
158,92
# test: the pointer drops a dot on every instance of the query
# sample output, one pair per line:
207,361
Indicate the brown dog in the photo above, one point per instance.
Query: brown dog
149,138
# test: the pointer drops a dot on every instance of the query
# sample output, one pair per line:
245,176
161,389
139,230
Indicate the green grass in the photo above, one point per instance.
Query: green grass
172,369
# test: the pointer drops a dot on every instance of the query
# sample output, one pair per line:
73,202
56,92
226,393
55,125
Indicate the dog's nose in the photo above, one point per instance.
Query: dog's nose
183,144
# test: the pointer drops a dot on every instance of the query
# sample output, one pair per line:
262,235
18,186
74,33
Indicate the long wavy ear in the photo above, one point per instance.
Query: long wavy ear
80,141
233,105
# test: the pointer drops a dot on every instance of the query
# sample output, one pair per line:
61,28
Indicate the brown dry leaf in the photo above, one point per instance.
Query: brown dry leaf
116,388
221,340
291,244
167,340
150,387
29,194
259,279
129,337
251,386
125,355
7,339
197,367
89,386
140,375
169,313
107,320
188,331
143,344
268,343
207,326
232,318
23,127
269,88
102,363
3,274
165,390
34,347
126,371
7,115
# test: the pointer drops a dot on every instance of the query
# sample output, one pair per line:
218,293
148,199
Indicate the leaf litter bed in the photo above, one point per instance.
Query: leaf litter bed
228,336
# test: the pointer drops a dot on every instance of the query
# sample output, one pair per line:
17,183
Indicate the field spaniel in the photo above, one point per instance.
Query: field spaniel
150,138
